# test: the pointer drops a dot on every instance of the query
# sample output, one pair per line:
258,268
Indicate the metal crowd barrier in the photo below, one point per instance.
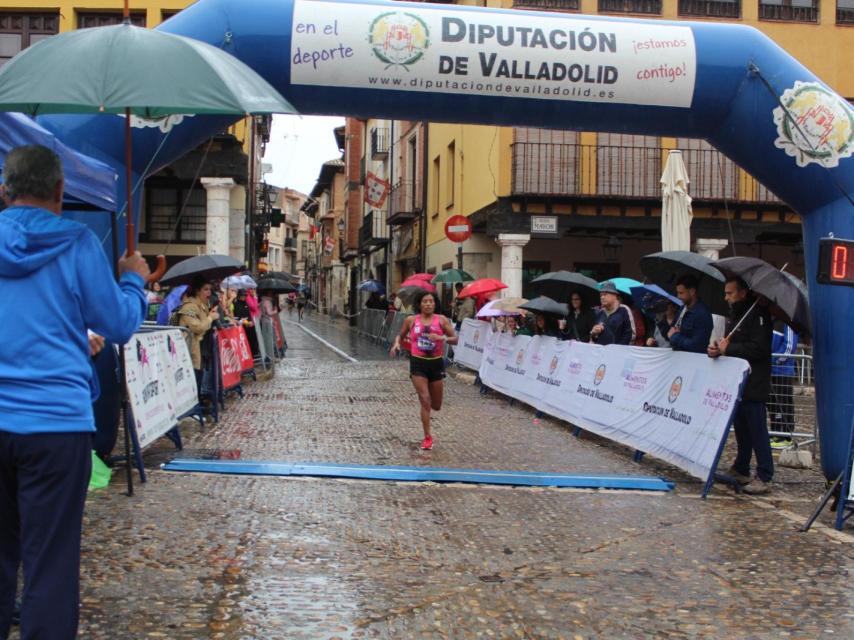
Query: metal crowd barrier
791,407
381,326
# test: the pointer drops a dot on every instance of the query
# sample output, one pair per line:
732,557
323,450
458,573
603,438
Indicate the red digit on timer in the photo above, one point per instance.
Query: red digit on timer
839,262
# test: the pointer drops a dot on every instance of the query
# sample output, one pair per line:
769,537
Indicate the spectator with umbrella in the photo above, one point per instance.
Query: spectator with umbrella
546,313
613,322
749,337
196,315
692,329
580,321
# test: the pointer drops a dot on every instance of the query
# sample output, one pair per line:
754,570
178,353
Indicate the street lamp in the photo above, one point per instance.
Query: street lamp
612,247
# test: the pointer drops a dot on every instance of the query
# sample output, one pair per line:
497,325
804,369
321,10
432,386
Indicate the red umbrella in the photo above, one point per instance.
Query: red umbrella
481,287
422,284
422,276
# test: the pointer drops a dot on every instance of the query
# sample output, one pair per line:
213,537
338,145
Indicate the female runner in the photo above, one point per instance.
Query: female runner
428,333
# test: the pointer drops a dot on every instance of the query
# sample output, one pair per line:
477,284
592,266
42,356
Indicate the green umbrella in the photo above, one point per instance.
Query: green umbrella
452,275
130,70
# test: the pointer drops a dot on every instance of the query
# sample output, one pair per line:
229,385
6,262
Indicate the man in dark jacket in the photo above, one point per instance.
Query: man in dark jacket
752,342
613,324
693,327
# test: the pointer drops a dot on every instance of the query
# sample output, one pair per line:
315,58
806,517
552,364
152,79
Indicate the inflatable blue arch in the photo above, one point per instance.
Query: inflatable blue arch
728,84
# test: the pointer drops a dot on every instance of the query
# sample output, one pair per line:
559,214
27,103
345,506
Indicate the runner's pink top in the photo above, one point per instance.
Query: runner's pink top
422,346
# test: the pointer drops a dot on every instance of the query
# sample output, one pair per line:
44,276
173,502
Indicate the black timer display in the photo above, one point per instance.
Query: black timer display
835,261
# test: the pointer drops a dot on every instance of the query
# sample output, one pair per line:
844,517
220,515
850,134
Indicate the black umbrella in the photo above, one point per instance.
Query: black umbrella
281,275
547,306
786,293
559,285
211,267
666,267
276,285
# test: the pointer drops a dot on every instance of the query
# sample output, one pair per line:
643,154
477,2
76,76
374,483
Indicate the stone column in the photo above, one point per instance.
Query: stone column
511,262
219,213
237,226
710,247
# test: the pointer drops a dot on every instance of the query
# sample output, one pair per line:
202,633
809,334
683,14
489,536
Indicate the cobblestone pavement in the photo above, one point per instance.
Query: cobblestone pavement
194,556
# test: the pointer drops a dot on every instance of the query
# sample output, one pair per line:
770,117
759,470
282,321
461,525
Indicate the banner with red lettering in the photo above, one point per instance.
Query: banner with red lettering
235,356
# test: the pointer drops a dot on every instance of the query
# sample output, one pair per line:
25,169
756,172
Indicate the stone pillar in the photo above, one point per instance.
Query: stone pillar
710,247
237,226
511,262
219,213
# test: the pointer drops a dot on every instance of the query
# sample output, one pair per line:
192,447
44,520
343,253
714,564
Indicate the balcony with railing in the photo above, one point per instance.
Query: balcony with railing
710,8
631,6
556,5
290,244
374,231
789,10
405,202
594,171
379,143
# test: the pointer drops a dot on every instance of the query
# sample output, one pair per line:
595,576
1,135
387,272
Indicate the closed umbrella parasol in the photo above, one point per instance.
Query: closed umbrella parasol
666,267
109,70
211,267
481,287
676,214
452,275
559,285
786,293
546,306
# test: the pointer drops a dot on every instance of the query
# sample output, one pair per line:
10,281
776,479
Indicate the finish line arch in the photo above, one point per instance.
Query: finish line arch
721,82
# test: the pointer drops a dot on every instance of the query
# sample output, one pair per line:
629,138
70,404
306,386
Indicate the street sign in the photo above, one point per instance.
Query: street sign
544,224
458,229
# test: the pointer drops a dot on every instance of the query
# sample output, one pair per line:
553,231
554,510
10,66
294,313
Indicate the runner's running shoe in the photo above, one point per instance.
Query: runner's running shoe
427,443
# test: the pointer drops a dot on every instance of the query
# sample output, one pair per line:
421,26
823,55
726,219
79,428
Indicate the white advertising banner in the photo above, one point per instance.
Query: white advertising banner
510,55
160,381
672,405
469,349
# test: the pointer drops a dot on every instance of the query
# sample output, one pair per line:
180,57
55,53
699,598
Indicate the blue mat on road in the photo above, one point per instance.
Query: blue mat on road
418,474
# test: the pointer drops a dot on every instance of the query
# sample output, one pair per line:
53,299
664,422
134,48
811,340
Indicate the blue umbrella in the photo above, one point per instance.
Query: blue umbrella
372,286
650,294
172,302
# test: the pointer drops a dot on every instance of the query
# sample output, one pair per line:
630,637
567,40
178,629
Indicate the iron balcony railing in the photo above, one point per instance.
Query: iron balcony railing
405,199
710,8
844,15
374,230
804,12
552,169
562,5
379,143
631,6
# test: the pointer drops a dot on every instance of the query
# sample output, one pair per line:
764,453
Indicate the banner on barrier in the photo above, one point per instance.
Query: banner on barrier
235,356
675,406
469,349
160,382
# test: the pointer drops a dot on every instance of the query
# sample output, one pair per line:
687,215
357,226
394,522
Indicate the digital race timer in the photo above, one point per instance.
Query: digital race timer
835,261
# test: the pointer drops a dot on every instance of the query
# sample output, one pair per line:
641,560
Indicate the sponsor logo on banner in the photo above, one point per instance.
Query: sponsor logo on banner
599,376
455,52
675,389
520,357
553,365
399,38
816,125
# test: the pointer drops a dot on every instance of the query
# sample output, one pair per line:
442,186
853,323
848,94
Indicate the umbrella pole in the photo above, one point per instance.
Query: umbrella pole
131,231
735,328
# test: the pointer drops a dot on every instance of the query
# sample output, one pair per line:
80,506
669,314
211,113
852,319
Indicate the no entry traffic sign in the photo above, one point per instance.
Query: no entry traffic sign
458,229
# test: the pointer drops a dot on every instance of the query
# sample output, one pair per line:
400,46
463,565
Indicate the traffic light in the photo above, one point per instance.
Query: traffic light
276,217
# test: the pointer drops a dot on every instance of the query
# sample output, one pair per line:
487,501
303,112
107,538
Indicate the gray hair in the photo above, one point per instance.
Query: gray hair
33,171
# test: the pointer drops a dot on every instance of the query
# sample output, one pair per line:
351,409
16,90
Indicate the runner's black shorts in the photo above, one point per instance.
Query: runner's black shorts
431,368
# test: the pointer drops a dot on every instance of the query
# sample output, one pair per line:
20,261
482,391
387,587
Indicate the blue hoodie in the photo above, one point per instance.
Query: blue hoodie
56,282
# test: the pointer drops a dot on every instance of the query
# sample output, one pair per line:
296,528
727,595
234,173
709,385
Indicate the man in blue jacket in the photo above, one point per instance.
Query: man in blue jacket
614,321
57,272
693,327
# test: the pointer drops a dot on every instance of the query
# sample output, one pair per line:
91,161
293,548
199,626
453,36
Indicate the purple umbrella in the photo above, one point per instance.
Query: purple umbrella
172,302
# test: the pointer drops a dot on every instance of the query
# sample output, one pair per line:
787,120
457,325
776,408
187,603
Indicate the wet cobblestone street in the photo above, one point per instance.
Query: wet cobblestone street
194,556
